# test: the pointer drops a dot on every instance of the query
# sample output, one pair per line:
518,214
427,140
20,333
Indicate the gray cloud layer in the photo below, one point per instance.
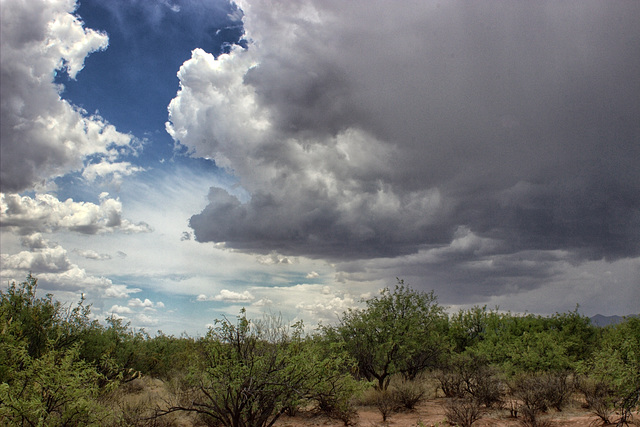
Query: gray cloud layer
378,129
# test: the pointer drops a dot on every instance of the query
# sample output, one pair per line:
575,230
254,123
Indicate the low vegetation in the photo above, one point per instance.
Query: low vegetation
60,367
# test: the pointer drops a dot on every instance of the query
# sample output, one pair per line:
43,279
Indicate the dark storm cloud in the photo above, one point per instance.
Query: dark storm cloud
377,129
320,228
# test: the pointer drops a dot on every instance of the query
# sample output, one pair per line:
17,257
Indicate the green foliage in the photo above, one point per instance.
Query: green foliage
43,379
120,353
399,331
40,323
331,383
577,334
468,327
55,389
58,367
251,372
616,365
527,343
164,355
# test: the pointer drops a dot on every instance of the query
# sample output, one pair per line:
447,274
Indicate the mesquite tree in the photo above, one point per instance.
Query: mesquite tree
400,331
251,372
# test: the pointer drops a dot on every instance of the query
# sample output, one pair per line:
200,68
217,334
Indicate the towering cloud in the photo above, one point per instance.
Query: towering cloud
371,130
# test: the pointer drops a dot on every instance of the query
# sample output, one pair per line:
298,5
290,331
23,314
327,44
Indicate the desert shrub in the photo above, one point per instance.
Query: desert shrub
450,382
41,324
331,385
530,417
251,372
468,327
531,390
139,413
115,350
348,415
484,385
249,375
43,379
598,396
386,403
408,393
558,388
469,375
366,398
519,344
462,412
616,363
137,403
163,355
576,333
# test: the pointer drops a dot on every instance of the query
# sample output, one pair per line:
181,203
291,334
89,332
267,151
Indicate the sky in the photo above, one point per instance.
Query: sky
176,160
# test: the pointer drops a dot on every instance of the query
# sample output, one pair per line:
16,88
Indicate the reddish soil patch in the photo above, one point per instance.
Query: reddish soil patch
142,395
431,414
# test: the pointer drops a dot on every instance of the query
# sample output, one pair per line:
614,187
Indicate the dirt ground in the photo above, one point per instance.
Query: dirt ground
431,414
145,394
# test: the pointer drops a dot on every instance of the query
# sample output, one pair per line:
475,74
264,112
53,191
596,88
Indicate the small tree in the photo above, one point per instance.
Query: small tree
399,331
251,372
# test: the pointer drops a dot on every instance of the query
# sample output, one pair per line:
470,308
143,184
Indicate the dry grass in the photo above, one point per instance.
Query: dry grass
135,403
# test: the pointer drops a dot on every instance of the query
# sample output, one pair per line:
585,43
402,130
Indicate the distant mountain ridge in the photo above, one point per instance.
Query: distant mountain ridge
600,320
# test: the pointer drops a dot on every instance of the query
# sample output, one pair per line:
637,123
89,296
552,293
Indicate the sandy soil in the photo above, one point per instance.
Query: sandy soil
431,414
144,394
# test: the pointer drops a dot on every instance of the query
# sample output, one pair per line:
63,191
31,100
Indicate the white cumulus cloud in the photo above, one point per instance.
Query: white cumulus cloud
45,213
228,296
44,136
137,302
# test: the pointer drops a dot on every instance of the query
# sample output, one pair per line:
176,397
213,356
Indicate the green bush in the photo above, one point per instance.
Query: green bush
43,379
615,364
56,389
400,331
40,323
251,372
